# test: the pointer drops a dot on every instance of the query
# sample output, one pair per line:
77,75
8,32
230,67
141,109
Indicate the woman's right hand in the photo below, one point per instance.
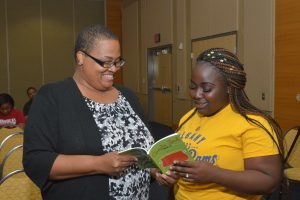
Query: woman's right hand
167,179
114,164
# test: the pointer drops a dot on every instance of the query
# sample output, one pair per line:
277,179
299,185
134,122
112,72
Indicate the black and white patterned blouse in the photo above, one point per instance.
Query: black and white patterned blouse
121,128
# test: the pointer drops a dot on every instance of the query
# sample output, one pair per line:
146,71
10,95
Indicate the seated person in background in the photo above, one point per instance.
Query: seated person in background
31,92
237,148
9,116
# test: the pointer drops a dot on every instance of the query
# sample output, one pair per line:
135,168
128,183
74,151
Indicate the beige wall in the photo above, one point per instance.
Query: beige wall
211,17
37,40
258,51
131,47
3,49
156,17
179,22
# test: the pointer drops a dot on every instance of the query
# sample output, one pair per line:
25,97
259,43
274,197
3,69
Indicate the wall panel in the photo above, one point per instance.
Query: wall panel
287,82
88,12
258,50
24,47
3,56
39,45
58,39
114,22
114,16
131,45
182,45
213,17
157,18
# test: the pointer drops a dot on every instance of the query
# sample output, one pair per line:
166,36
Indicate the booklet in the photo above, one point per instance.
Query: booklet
161,154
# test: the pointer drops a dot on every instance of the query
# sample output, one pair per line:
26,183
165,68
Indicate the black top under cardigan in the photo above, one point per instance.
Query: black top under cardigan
61,123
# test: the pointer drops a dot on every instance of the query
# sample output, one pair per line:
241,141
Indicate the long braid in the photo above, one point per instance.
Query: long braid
233,72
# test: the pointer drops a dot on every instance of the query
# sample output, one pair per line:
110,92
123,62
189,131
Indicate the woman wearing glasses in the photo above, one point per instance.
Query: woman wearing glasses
77,125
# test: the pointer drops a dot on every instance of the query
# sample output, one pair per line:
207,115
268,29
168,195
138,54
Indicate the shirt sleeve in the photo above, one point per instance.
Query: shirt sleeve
20,117
257,142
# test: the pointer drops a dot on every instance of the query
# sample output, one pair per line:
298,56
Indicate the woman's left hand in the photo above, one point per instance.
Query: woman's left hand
193,171
261,174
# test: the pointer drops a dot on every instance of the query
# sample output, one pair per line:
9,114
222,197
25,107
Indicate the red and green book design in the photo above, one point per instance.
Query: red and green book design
161,154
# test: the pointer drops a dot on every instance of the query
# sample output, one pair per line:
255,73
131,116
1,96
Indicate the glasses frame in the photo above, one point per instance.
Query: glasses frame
118,64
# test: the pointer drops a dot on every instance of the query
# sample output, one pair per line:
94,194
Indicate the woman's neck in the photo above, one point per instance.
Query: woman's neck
101,96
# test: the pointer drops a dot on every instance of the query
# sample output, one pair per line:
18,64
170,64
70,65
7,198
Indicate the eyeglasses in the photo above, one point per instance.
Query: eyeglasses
120,62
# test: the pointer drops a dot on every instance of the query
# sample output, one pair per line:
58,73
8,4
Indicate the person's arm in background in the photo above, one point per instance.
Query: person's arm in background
25,110
21,125
20,119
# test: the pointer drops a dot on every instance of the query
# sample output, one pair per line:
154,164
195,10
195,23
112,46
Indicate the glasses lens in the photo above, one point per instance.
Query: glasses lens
120,63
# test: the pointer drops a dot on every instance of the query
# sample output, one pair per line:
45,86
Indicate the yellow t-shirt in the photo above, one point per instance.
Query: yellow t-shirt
225,140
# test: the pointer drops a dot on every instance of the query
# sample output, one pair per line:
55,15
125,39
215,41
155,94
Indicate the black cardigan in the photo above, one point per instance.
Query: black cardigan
60,122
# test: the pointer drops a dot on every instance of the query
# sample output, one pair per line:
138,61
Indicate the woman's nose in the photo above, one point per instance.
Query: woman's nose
199,92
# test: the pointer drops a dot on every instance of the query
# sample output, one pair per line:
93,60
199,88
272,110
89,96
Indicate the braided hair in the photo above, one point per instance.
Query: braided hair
234,75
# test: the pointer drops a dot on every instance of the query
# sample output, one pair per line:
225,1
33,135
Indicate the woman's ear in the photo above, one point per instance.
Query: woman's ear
79,58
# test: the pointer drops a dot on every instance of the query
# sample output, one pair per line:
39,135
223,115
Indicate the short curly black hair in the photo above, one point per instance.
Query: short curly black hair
6,98
87,37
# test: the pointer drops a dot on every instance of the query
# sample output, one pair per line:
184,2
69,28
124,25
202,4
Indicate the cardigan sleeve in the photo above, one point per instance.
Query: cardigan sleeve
40,136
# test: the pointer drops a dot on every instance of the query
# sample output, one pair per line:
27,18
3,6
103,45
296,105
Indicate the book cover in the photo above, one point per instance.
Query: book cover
161,154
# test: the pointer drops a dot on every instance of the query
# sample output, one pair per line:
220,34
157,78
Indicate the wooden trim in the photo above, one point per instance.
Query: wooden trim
114,23
287,82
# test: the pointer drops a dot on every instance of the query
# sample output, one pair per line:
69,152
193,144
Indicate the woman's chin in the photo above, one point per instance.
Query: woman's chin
201,106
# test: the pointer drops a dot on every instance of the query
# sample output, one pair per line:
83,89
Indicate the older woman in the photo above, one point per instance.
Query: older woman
77,125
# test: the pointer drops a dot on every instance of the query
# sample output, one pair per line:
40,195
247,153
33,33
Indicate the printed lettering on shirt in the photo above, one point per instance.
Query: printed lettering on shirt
8,122
193,141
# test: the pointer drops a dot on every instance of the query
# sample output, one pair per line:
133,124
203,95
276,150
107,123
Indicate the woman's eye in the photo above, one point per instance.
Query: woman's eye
206,89
192,86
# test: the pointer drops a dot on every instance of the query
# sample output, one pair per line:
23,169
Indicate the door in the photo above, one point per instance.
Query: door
160,85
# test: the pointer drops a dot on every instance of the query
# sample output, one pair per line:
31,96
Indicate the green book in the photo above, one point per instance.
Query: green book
162,153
